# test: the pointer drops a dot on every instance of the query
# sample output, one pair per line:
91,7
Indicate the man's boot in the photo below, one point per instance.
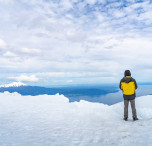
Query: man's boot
126,119
135,118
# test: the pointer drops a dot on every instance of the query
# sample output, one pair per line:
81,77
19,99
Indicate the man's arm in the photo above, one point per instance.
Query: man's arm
120,85
135,84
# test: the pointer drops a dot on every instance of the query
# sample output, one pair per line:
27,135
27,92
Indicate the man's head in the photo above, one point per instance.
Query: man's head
127,73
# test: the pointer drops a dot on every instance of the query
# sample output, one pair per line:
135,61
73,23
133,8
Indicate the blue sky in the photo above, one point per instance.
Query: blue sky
47,42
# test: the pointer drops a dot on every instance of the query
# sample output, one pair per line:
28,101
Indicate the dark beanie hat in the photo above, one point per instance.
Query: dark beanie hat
127,73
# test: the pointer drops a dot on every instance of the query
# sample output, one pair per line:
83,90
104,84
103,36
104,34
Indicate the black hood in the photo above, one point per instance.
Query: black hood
127,73
127,79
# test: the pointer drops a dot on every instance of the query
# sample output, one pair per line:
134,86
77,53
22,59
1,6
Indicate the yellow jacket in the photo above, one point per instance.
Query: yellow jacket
128,85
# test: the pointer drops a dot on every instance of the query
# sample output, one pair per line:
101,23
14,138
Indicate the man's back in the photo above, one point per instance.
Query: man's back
128,85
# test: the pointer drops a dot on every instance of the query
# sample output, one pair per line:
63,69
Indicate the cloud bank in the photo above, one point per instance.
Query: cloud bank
31,78
87,41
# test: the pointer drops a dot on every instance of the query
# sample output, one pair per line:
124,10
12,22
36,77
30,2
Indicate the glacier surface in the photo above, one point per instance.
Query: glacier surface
50,120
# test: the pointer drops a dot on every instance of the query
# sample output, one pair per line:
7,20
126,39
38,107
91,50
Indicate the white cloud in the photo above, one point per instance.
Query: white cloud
62,81
9,54
71,74
70,81
30,78
73,39
6,1
2,44
91,2
66,4
118,13
30,51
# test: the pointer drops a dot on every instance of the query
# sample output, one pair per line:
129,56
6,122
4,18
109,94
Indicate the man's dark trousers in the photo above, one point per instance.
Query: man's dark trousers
126,103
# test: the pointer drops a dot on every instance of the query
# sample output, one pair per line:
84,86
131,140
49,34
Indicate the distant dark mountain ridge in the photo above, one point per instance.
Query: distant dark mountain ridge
107,94
66,91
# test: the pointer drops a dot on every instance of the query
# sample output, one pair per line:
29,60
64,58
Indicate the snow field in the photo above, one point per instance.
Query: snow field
50,120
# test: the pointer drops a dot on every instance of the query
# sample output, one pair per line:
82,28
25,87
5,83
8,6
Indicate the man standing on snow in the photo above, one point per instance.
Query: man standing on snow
128,85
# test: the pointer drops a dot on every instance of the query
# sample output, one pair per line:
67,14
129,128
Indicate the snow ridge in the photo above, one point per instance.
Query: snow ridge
14,84
56,121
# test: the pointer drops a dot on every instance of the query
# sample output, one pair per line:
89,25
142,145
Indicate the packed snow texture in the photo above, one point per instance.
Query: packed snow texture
14,84
50,120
